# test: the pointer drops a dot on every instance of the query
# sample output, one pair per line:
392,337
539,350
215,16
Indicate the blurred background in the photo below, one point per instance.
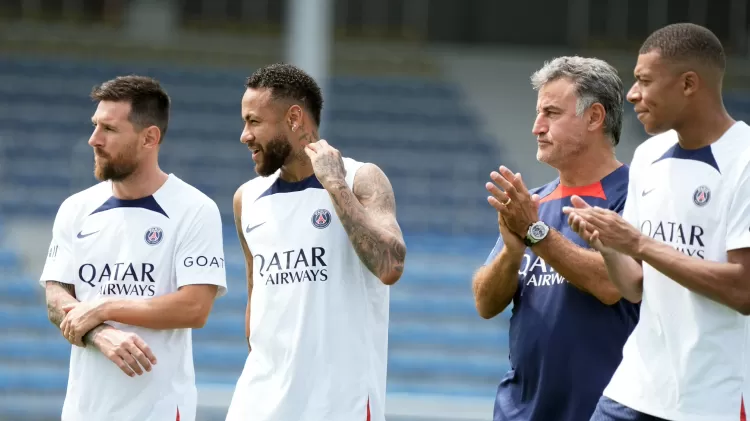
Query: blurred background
436,92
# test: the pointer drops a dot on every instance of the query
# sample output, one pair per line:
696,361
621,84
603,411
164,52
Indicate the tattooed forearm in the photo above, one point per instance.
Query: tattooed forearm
368,216
58,295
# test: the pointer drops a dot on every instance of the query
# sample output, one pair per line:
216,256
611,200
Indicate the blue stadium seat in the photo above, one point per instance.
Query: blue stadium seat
416,129
21,290
9,260
405,115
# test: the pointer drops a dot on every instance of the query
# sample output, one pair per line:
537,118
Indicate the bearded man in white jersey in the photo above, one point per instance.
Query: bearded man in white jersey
135,263
322,246
683,243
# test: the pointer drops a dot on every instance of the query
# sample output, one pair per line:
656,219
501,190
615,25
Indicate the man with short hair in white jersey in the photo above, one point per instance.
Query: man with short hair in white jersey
322,246
135,263
683,243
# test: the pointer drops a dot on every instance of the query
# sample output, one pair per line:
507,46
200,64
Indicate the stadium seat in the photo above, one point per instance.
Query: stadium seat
417,130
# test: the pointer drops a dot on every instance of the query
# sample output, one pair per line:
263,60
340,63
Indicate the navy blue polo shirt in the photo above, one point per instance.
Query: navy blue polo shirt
565,344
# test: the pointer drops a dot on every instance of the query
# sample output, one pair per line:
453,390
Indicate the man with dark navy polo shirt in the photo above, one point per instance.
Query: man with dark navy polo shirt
569,321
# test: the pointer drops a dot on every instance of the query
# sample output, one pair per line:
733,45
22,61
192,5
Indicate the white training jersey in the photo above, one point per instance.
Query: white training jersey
135,250
686,358
318,316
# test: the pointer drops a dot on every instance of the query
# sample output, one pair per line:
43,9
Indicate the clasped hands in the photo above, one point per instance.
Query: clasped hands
603,229
516,208
80,318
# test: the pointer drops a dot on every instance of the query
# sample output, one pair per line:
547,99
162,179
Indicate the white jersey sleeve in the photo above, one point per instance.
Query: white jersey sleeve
738,216
200,254
629,212
60,266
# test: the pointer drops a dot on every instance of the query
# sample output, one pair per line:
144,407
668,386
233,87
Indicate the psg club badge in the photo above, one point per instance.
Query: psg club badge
701,196
321,218
154,236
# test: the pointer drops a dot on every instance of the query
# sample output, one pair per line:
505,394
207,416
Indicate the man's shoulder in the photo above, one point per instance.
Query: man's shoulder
186,198
191,192
254,187
733,155
654,147
86,200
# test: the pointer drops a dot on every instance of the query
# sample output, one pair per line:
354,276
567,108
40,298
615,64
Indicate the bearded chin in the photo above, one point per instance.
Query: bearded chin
275,155
113,171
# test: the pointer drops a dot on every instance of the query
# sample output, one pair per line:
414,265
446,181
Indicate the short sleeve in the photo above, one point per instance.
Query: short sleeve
495,250
629,210
59,265
618,196
738,215
200,254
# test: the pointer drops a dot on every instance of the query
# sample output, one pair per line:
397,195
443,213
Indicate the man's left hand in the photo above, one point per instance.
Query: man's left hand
81,317
513,201
327,163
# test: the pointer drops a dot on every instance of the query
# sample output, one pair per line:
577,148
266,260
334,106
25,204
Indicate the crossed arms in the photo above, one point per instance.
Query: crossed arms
84,323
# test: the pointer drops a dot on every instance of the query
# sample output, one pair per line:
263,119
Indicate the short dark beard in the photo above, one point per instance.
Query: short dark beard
275,154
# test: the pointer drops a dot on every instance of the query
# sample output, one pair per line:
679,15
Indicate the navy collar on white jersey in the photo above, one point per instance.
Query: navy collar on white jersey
281,186
148,203
704,154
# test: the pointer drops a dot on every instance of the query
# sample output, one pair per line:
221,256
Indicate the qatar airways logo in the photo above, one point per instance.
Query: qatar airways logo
687,239
120,278
535,271
292,266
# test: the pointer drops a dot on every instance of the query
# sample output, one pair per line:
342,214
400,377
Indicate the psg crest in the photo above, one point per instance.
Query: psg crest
701,196
321,218
153,236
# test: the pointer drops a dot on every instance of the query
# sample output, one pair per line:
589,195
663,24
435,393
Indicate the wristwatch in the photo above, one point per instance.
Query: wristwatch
537,232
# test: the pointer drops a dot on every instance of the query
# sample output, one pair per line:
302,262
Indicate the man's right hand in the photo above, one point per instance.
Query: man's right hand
125,349
587,232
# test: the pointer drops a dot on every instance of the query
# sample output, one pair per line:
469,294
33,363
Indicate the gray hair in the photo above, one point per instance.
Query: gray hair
595,81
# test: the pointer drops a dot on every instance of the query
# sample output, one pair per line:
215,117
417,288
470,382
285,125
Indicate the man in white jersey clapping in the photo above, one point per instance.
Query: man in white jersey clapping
135,263
322,246
683,243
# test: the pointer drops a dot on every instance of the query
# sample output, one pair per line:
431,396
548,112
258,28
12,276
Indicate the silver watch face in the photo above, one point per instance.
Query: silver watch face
538,231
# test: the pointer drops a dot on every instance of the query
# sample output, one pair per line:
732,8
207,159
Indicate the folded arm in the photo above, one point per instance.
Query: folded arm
59,295
188,307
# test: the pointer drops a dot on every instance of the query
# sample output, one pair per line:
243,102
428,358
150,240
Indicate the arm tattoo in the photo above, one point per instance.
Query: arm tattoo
58,295
368,215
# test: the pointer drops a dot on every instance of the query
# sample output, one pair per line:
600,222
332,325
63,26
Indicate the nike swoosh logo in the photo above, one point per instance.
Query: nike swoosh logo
249,228
82,235
645,192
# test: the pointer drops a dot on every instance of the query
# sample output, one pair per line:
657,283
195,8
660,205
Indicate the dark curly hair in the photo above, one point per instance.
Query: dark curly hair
686,41
290,83
149,102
